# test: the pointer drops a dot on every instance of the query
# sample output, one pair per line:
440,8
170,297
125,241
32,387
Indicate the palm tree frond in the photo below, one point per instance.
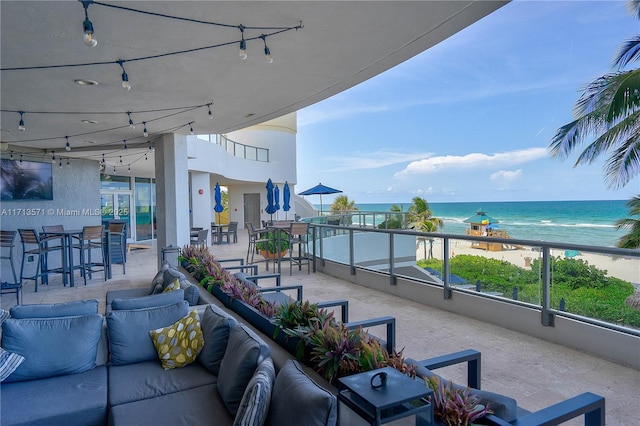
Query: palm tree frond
628,52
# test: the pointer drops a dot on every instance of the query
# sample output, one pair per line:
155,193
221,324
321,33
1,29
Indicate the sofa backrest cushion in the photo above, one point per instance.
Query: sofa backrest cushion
257,396
53,310
314,405
52,346
245,350
216,327
128,330
152,301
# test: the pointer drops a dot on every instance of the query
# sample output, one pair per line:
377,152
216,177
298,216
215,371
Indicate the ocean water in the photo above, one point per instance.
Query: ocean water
577,222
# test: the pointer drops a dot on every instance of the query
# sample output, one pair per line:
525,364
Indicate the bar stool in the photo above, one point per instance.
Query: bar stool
298,234
91,239
30,238
6,242
255,236
118,243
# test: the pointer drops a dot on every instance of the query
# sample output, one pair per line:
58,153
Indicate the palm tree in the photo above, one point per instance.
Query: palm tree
609,110
342,205
421,216
632,239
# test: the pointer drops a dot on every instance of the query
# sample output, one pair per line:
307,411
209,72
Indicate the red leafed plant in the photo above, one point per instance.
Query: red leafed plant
455,407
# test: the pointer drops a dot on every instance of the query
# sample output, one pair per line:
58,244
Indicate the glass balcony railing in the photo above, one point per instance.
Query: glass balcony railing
585,283
238,149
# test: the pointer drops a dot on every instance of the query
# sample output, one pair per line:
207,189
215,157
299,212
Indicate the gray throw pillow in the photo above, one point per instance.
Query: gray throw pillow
255,401
216,326
245,350
54,310
314,405
52,346
129,340
159,278
152,301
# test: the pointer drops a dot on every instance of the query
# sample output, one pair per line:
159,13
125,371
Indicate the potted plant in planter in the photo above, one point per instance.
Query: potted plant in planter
453,406
269,248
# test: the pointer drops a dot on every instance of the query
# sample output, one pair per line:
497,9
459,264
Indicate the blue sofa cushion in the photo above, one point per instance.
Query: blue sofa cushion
197,406
255,401
144,380
153,301
314,405
52,346
125,294
71,400
52,310
191,292
158,280
216,326
245,351
128,330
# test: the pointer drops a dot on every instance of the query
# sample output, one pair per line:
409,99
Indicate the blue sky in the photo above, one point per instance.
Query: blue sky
471,118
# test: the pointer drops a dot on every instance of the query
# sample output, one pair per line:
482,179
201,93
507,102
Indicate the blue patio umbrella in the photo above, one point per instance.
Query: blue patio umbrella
320,189
276,199
217,196
286,198
271,207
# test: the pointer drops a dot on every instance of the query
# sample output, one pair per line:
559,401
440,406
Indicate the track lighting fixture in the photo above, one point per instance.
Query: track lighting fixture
133,126
267,51
243,44
21,123
125,76
87,26
68,146
145,133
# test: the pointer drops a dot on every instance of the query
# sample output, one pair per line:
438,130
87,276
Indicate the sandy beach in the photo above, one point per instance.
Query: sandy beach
627,269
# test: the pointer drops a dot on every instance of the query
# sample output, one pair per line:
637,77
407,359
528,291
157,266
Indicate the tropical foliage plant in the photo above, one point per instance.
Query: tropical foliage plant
342,205
454,406
632,239
608,115
271,245
421,216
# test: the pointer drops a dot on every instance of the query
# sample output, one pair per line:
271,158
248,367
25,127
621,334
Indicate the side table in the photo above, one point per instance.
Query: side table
400,397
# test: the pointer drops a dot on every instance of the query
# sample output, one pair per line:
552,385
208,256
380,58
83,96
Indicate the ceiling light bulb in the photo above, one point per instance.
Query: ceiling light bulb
243,50
60,163
68,146
125,81
125,144
89,39
144,132
102,159
68,163
267,54
191,129
131,121
21,123
210,114
53,157
129,168
87,26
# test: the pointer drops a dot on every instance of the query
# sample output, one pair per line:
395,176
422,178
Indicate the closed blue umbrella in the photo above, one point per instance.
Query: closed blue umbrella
218,207
276,199
286,198
271,208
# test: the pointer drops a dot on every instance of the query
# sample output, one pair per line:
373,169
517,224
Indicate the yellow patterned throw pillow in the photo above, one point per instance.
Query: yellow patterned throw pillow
173,286
179,344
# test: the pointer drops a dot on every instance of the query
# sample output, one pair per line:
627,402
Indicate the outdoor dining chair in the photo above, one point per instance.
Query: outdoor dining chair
40,246
231,231
118,243
255,236
298,235
15,286
92,240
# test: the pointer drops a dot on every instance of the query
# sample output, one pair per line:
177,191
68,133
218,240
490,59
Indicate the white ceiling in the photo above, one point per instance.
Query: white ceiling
342,44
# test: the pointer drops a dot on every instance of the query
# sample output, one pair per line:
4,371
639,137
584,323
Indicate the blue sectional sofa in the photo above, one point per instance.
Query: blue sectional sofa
83,368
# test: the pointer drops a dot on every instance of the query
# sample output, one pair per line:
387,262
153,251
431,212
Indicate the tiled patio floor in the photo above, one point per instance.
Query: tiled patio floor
535,372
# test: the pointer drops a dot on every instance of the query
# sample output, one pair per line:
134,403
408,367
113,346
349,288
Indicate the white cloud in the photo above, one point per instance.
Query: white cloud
506,175
372,160
473,160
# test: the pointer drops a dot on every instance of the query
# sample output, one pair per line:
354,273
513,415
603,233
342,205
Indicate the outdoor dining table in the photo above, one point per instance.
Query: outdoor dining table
66,236
278,226
218,232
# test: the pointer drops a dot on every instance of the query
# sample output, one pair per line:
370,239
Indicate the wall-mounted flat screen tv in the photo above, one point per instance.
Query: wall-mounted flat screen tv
26,180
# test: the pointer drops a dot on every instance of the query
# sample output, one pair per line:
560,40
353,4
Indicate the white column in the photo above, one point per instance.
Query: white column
201,196
172,191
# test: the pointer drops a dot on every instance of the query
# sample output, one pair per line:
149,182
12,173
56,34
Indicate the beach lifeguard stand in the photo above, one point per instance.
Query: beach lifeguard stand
485,226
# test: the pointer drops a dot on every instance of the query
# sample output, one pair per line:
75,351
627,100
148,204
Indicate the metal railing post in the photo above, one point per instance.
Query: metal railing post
313,238
352,256
548,317
446,273
392,272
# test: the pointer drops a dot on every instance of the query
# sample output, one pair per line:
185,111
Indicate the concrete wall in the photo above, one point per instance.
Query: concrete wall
76,203
599,341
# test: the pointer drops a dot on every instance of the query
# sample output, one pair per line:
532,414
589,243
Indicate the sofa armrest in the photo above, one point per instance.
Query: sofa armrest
343,303
252,268
590,405
470,356
390,322
239,259
281,288
256,278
